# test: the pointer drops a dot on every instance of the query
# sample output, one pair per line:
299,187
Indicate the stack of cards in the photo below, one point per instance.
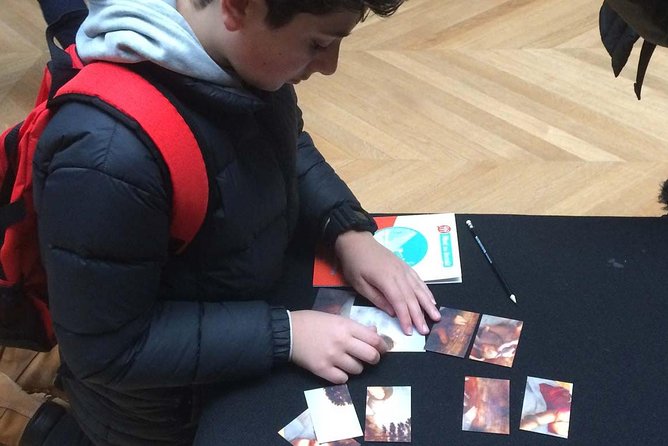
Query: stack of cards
331,419
336,301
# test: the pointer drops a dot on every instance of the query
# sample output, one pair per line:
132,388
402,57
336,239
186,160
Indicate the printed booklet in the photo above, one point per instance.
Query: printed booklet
426,242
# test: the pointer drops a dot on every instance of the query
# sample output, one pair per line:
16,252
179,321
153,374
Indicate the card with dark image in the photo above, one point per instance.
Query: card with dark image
334,301
453,333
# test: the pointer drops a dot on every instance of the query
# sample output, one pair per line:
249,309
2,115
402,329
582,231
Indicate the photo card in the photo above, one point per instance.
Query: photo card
496,340
453,333
388,414
334,301
486,405
388,328
547,407
300,432
333,414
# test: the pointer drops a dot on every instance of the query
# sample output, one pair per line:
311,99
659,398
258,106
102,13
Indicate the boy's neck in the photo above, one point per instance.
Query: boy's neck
203,22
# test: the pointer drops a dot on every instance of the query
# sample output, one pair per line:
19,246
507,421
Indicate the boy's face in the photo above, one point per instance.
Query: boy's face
268,58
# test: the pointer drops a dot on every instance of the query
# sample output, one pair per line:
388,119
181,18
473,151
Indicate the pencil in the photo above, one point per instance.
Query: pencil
511,295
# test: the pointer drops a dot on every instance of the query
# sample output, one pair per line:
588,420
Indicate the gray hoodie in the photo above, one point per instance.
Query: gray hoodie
131,31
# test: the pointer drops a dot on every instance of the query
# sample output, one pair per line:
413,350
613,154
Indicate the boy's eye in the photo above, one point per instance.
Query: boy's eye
318,46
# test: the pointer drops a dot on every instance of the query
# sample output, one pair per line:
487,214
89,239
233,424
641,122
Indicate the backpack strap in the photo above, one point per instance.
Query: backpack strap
11,212
140,101
643,62
63,64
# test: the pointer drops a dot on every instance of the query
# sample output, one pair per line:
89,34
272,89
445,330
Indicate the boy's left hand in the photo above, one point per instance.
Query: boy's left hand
386,280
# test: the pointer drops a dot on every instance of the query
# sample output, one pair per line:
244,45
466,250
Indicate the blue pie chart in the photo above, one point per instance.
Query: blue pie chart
406,243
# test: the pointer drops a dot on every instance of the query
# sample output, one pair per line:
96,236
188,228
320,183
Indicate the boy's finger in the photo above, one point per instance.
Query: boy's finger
405,304
377,297
417,316
367,335
427,304
404,316
421,288
366,352
426,298
350,365
334,375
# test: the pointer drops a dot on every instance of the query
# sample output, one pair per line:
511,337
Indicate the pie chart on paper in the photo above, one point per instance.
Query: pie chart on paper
406,243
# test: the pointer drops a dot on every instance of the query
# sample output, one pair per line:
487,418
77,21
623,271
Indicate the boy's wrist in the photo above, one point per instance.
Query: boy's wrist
347,218
349,240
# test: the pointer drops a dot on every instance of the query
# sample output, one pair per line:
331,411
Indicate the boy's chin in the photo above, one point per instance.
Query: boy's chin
297,80
270,87
274,84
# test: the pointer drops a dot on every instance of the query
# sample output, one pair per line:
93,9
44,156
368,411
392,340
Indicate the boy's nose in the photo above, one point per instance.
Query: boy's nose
328,60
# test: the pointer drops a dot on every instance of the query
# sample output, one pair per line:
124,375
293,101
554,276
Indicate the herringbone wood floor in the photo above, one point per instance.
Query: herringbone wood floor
481,106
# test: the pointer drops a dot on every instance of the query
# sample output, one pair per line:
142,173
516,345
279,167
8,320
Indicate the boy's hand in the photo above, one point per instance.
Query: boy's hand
332,346
386,280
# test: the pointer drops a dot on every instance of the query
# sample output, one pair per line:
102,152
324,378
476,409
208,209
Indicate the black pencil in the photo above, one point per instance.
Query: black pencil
491,263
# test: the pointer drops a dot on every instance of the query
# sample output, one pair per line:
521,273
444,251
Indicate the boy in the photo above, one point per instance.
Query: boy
140,329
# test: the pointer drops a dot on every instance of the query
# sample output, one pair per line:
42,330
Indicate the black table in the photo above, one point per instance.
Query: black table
593,295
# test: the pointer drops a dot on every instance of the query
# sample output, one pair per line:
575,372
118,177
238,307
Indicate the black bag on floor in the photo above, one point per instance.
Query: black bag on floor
623,22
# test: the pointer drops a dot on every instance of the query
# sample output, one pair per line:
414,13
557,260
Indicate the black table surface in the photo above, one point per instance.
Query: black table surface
593,296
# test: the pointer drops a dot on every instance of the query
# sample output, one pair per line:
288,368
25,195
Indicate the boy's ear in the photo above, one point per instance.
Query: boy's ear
234,13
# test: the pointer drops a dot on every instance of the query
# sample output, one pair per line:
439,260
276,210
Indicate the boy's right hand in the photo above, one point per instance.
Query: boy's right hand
333,346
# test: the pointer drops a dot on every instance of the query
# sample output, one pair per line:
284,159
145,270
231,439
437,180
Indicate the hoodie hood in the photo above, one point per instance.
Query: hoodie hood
131,31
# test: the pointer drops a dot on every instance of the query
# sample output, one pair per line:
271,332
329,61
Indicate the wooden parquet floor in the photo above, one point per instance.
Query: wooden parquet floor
476,106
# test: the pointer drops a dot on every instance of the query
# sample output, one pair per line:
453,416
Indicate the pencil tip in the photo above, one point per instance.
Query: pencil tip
513,298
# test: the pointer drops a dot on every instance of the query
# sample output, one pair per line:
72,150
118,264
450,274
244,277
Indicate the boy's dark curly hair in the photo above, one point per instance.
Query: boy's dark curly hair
663,196
282,11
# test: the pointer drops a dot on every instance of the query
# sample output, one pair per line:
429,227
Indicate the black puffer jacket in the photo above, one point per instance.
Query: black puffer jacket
138,327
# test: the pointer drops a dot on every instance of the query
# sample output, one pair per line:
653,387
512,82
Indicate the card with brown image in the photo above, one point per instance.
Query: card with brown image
496,340
452,334
486,405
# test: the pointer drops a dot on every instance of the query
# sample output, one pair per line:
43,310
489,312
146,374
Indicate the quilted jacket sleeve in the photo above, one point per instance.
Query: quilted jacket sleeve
103,214
321,190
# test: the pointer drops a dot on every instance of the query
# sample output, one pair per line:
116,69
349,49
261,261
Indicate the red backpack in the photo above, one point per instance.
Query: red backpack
24,315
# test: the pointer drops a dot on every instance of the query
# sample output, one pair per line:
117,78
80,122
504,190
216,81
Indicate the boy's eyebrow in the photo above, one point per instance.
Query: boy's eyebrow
340,34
